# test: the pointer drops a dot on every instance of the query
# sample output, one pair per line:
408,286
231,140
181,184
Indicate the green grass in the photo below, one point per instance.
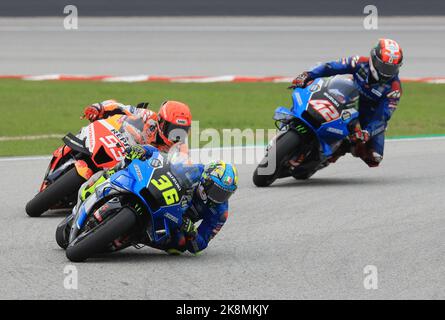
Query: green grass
46,107
34,147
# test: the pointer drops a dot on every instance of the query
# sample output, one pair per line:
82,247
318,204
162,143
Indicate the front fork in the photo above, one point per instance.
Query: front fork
305,150
93,190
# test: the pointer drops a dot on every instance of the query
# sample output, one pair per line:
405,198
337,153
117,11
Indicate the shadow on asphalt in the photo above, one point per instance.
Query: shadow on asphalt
60,214
145,254
320,182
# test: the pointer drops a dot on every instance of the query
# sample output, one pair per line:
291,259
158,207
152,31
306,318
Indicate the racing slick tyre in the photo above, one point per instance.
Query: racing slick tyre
63,232
304,176
67,184
284,147
97,239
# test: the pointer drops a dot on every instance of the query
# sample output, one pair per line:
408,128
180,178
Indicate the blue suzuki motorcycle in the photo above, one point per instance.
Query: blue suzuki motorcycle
312,132
143,203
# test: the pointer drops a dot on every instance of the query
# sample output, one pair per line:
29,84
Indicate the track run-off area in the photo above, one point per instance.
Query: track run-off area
210,46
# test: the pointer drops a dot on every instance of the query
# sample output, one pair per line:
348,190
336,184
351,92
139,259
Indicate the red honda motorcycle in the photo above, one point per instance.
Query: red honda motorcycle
100,145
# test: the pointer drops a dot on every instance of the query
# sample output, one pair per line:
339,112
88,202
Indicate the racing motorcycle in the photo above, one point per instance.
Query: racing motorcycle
318,124
100,145
142,203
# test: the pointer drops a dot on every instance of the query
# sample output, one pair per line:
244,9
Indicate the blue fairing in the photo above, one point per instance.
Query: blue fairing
134,179
329,132
82,217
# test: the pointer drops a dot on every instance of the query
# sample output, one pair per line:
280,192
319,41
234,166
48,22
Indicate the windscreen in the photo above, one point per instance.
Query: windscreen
184,170
343,89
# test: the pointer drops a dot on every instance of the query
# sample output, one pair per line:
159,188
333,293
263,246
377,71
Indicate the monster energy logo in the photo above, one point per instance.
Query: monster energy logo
138,208
301,129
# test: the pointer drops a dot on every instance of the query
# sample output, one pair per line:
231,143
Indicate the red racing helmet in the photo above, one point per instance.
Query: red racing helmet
386,60
174,121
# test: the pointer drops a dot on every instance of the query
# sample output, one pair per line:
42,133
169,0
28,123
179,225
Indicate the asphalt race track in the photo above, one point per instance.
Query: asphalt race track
294,240
210,46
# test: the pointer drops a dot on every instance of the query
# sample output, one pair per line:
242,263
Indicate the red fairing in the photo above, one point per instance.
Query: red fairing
101,137
58,154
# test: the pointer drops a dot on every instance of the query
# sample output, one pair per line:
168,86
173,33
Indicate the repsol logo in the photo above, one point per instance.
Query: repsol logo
121,137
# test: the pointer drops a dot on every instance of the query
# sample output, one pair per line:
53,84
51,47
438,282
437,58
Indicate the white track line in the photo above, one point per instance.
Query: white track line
37,137
24,158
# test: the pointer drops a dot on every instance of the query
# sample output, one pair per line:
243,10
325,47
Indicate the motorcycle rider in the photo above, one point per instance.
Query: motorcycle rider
210,204
209,200
380,90
170,125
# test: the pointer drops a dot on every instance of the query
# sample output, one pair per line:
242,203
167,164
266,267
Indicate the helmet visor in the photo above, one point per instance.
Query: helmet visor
174,132
384,70
217,194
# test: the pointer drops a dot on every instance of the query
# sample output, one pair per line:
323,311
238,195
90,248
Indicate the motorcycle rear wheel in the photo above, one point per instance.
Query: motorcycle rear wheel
67,184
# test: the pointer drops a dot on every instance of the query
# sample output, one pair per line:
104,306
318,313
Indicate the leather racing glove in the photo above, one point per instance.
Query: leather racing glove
135,152
359,136
93,112
188,228
300,81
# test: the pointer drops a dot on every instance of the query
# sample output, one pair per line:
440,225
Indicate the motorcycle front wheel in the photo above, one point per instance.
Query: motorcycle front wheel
96,240
285,146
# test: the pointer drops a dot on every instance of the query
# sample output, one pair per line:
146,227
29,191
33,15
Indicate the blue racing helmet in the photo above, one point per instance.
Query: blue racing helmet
219,181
